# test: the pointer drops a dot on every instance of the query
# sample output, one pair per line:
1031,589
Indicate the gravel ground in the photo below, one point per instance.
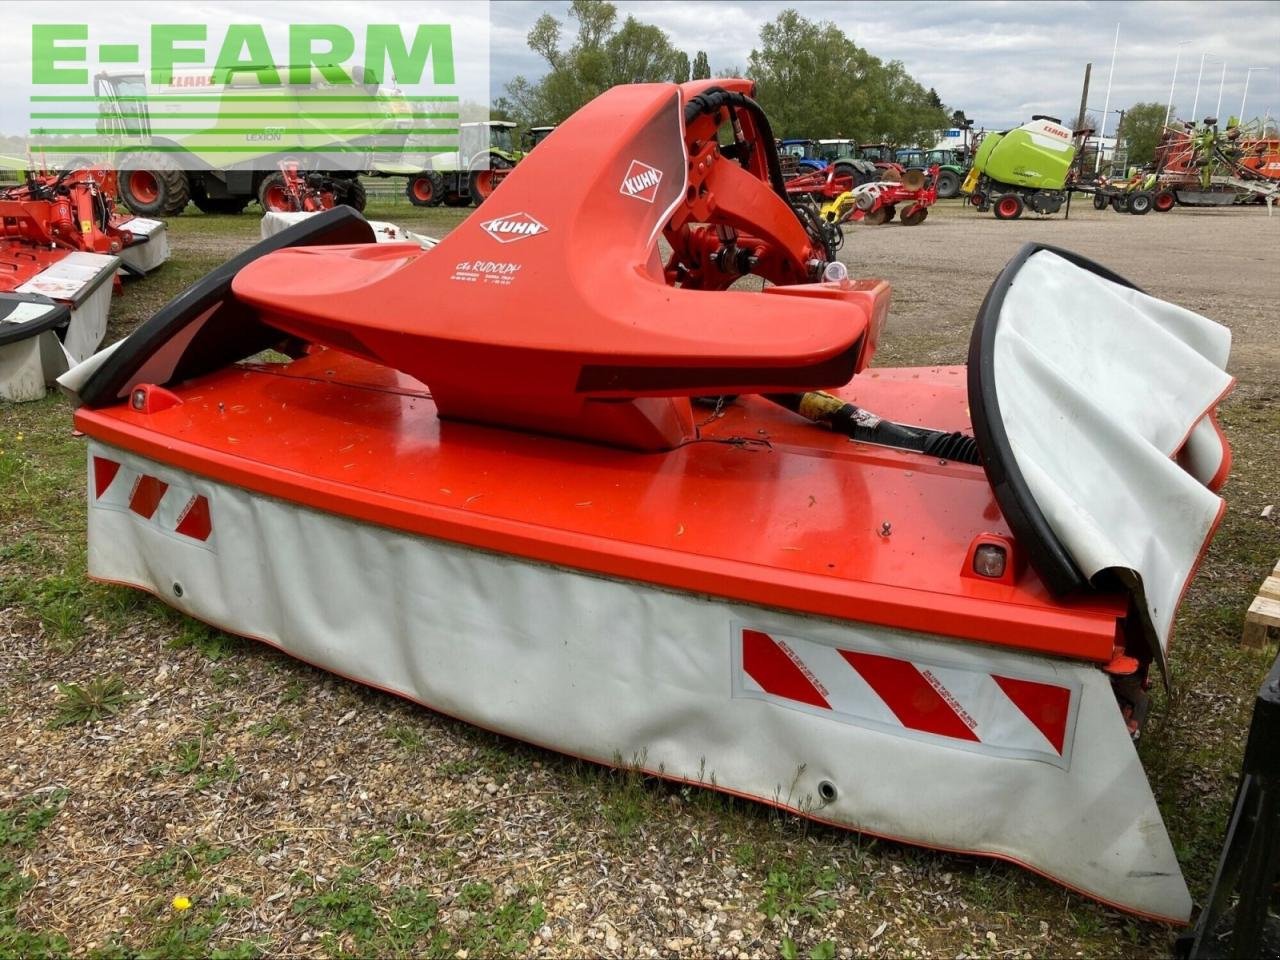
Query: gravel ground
302,815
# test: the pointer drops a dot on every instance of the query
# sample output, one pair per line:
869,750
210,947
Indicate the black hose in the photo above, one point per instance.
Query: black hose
864,426
713,99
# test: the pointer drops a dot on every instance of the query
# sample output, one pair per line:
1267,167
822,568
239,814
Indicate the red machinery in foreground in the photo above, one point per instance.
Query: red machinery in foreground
294,190
878,201
545,480
61,245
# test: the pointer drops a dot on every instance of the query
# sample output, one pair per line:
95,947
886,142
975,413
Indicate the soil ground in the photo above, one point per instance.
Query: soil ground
146,757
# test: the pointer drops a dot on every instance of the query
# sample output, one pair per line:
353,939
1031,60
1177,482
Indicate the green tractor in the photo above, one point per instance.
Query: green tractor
534,136
486,154
951,168
164,164
1025,167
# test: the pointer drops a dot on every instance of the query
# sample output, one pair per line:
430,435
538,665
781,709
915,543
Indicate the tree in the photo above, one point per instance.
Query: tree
816,82
1142,126
680,67
701,66
601,56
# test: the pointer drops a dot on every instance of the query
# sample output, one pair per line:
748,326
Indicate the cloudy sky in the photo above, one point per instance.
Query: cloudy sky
999,62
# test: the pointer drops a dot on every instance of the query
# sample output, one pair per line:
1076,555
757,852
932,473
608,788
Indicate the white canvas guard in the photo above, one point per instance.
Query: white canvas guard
1099,387
1020,757
142,258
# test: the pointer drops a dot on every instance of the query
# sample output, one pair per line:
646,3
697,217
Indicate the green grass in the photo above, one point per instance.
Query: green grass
20,827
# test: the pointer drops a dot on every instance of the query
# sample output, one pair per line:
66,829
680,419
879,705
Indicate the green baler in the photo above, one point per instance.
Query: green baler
1024,167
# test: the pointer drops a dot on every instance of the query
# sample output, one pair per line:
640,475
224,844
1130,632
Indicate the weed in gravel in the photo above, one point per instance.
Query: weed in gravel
190,934
800,890
20,827
212,644
224,771
278,724
405,736
503,931
463,819
789,950
375,848
90,702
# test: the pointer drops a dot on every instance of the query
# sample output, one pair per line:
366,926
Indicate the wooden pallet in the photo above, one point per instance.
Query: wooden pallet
1264,612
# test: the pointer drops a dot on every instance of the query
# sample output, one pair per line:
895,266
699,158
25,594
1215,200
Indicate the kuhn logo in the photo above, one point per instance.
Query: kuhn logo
513,227
641,182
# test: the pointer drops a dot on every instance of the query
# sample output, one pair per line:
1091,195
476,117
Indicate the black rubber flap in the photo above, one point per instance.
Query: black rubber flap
226,330
24,315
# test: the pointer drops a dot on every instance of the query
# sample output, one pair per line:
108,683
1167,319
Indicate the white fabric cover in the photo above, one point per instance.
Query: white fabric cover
144,257
1099,386
273,223
620,671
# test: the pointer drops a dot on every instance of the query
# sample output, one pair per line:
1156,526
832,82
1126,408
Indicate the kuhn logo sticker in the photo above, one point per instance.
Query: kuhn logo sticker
513,227
641,182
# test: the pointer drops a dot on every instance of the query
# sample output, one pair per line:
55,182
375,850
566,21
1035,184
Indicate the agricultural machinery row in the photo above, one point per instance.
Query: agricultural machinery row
64,248
1034,167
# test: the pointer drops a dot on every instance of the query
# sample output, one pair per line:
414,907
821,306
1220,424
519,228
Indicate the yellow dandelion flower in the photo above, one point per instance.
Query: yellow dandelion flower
181,903
20,438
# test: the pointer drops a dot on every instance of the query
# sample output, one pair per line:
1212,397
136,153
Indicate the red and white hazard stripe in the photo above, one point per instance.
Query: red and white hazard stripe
172,508
955,705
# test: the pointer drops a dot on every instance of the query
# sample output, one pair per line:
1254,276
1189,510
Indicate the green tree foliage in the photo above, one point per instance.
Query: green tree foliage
1142,124
814,81
680,70
701,66
602,55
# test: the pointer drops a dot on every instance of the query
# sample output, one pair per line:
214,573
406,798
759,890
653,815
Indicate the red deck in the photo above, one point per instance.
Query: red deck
765,508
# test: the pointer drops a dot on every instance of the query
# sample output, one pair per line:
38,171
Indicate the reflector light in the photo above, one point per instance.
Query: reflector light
989,561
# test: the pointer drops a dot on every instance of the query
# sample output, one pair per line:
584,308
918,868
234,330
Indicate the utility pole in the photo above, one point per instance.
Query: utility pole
1084,96
1084,106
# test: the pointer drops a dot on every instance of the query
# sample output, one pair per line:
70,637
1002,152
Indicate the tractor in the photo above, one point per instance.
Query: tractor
951,168
534,136
165,166
1025,167
802,154
486,154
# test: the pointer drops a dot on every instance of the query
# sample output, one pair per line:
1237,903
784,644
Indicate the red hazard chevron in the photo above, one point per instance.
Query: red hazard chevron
173,508
104,471
1046,705
956,703
194,521
147,493
911,696
769,665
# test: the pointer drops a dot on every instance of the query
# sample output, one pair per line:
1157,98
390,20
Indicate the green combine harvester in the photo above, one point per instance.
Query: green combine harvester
164,162
1027,167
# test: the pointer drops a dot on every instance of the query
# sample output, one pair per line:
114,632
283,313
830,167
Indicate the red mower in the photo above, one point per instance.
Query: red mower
877,202
62,243
922,603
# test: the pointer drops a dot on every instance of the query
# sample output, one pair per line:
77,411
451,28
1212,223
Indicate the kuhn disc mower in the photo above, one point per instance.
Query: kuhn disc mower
878,202
61,246
922,603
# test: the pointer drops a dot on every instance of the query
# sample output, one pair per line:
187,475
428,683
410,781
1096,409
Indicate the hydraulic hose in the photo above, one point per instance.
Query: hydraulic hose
821,407
711,100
